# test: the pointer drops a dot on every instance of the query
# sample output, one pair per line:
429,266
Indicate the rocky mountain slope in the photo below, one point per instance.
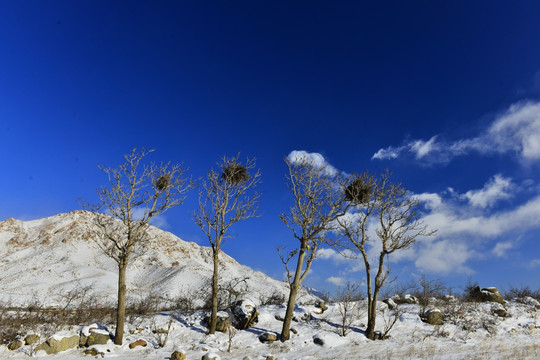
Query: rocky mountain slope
46,258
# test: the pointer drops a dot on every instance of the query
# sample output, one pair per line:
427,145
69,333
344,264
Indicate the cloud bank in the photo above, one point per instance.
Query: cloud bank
516,131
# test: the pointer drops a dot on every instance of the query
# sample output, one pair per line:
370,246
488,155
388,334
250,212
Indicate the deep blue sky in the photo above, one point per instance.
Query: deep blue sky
84,82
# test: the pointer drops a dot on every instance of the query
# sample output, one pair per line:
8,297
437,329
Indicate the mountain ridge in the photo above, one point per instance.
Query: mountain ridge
46,257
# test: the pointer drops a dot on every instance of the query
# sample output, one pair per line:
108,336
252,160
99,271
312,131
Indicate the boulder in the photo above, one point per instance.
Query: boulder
391,303
97,338
321,305
211,356
434,317
31,339
244,314
93,352
178,355
268,337
14,345
136,343
54,345
530,301
498,310
223,321
488,294
318,340
409,299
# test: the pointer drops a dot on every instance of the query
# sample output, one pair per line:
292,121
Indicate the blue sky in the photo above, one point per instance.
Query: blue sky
444,94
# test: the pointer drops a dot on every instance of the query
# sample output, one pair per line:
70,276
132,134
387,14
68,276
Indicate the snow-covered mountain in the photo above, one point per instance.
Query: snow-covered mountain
43,259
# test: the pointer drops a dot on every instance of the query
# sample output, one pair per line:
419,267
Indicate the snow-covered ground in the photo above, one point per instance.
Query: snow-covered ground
477,334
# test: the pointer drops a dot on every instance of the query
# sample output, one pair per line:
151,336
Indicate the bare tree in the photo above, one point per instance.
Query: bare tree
395,215
138,192
227,196
318,201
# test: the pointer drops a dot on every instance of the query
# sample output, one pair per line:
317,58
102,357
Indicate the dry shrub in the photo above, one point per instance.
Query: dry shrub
235,173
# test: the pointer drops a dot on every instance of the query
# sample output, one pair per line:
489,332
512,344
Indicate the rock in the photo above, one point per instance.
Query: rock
97,338
244,314
449,298
409,299
530,301
93,352
223,321
391,303
434,317
53,346
307,317
136,343
279,318
317,340
14,345
270,357
178,355
321,305
488,294
498,310
246,358
211,356
31,339
268,337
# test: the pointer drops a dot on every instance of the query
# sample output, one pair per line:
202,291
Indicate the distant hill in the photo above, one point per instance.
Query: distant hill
43,259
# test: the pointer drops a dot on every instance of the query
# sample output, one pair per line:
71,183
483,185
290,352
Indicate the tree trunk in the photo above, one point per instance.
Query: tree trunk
285,332
121,306
215,289
371,314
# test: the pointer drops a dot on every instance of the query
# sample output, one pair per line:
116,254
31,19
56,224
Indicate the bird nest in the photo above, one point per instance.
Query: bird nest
235,173
163,182
358,191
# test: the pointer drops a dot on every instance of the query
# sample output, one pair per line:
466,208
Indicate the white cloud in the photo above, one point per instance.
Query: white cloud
422,148
315,159
501,248
534,263
430,200
444,257
336,280
517,131
467,226
496,189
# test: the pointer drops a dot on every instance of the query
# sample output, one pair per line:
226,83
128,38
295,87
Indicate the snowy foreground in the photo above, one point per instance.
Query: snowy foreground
477,333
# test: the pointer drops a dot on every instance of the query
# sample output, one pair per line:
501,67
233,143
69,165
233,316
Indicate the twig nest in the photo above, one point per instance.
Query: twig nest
235,173
358,191
163,182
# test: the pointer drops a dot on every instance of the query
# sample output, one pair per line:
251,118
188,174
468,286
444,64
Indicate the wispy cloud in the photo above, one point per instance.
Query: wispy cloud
336,280
496,189
467,225
516,131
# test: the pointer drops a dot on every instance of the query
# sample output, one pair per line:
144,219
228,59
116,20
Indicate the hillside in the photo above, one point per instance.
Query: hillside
45,258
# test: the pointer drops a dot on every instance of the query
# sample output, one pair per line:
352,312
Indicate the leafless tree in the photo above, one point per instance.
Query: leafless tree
137,193
227,196
397,223
318,201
